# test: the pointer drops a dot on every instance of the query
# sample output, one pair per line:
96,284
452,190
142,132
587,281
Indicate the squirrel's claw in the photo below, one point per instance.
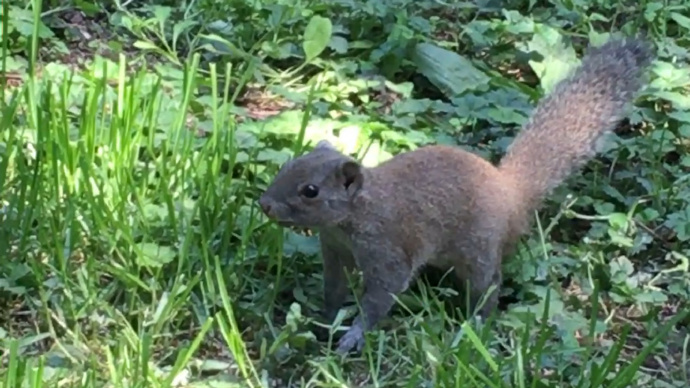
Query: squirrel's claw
354,338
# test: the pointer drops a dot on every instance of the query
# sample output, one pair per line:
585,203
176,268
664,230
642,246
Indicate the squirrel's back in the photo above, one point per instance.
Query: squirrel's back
563,130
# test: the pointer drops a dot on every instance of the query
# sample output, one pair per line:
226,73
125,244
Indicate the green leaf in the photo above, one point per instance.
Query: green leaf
621,268
317,35
453,74
297,243
214,365
338,44
144,45
618,221
161,13
682,21
558,59
651,297
181,27
278,157
680,115
154,255
680,223
679,100
217,44
22,21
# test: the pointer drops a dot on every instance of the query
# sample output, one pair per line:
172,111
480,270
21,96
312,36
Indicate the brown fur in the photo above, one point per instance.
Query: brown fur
445,207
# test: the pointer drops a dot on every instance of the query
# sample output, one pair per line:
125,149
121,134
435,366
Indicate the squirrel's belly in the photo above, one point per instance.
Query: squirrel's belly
442,262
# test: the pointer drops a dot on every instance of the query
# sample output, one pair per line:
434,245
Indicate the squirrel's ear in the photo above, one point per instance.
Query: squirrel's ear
351,173
324,145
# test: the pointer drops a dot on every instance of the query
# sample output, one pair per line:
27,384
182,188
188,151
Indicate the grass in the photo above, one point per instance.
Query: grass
133,252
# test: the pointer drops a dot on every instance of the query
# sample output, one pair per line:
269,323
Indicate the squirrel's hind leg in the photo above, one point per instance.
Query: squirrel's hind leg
476,278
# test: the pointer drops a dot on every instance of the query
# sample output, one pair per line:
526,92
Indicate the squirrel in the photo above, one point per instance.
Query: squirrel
445,207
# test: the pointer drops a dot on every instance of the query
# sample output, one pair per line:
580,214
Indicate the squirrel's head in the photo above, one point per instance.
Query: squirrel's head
313,190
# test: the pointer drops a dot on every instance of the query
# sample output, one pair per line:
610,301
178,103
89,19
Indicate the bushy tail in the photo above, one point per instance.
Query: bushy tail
562,132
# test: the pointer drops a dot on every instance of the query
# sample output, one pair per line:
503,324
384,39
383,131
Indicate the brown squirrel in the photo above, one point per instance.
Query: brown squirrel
445,207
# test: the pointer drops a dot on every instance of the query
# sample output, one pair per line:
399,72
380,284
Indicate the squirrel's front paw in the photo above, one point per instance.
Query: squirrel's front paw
354,338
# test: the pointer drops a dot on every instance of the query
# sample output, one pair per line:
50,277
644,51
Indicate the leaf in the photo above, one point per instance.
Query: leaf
154,212
317,35
453,74
15,63
621,268
280,124
297,243
620,239
275,156
651,297
618,221
154,255
680,115
89,8
682,21
680,223
338,44
216,44
180,28
220,381
23,21
679,100
276,50
161,14
144,45
685,161
558,59
669,77
214,365
11,288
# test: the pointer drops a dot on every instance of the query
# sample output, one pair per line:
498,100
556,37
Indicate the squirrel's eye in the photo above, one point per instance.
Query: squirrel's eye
310,191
